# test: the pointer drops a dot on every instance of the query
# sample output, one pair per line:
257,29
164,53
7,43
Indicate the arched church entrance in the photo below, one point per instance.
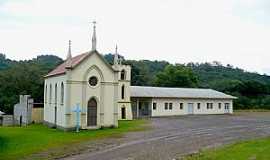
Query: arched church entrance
92,112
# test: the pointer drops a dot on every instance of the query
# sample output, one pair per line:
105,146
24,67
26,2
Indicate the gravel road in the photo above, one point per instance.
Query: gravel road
172,137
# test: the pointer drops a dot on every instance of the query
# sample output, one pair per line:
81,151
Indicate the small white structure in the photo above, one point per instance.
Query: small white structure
23,110
104,94
6,120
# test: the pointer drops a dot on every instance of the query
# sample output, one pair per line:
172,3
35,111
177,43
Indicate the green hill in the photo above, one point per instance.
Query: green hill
26,77
23,77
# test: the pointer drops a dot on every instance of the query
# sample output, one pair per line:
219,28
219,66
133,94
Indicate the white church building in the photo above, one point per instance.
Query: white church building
104,94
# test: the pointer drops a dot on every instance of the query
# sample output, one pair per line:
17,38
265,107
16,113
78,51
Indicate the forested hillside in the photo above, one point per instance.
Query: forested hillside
216,71
253,90
144,71
5,63
23,77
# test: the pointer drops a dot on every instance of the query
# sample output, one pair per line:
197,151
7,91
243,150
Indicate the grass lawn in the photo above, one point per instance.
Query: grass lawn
17,142
252,110
258,149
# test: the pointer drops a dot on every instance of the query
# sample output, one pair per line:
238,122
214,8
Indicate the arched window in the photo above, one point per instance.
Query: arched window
45,96
62,93
55,94
123,92
123,75
50,98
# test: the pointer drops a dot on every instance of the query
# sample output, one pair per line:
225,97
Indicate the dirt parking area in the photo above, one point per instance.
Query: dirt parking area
172,137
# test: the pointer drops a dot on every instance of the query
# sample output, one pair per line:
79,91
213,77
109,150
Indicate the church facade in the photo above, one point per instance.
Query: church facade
89,81
104,94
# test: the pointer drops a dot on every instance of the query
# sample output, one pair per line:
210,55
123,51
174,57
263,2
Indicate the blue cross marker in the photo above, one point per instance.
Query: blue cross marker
77,110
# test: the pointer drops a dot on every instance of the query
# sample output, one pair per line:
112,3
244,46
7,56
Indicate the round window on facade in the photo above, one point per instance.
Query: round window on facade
93,81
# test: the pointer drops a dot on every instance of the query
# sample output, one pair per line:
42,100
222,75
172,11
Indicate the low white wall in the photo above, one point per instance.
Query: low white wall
7,120
160,106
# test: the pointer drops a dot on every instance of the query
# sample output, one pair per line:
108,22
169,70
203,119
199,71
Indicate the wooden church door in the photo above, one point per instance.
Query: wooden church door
92,112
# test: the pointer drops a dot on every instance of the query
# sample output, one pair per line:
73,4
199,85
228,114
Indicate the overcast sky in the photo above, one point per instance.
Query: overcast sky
230,31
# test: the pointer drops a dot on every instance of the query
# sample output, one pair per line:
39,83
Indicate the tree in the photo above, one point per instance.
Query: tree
24,77
176,76
110,58
4,62
144,71
253,88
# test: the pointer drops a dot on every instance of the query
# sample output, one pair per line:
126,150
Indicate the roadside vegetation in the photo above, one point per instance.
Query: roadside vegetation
257,149
18,142
252,110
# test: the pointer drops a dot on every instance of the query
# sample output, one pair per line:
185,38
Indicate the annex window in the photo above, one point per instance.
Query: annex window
170,106
123,92
154,106
198,105
227,106
209,105
123,75
55,94
181,105
219,105
166,106
62,93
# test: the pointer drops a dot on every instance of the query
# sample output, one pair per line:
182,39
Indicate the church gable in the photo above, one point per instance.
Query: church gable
88,81
94,61
61,69
74,62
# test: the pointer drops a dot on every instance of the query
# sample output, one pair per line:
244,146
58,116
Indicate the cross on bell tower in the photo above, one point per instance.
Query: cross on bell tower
94,39
69,56
116,59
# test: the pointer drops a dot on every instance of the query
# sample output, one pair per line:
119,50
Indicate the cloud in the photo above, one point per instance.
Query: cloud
230,31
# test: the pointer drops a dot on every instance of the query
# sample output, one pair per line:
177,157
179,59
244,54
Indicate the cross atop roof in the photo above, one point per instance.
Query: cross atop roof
94,39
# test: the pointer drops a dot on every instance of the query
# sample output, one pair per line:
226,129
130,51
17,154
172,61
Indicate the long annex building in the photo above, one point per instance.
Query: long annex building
160,101
104,94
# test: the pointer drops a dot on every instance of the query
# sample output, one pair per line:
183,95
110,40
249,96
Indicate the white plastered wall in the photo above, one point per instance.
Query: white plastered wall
124,103
49,107
160,109
104,92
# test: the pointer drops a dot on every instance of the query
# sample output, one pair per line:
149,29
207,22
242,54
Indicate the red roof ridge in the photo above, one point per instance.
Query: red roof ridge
61,69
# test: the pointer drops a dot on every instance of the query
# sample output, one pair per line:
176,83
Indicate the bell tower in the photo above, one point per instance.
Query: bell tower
124,79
